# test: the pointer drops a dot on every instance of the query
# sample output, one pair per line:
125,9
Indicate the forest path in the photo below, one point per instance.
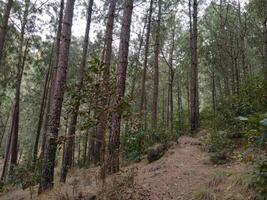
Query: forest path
185,173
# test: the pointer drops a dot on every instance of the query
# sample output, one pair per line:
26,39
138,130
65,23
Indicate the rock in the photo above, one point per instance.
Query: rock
156,152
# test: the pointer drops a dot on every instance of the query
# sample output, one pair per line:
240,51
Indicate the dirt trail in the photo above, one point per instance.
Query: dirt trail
183,173
185,170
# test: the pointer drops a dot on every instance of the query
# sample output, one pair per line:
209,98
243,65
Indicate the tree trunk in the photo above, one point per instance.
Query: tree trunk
136,61
107,63
4,28
57,100
242,35
20,68
171,77
114,138
148,30
74,114
194,100
156,70
42,110
54,73
4,129
265,52
7,153
85,148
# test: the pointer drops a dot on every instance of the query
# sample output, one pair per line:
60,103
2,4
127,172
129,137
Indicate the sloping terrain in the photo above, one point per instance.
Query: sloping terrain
183,173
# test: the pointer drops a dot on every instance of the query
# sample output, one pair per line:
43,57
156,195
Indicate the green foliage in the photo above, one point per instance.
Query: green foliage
261,177
25,176
136,143
219,145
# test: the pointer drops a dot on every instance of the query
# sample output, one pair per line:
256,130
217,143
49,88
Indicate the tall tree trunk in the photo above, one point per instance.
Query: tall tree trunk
114,138
107,64
54,73
242,35
15,117
143,86
20,68
171,77
57,100
4,28
194,100
74,114
156,70
42,110
213,91
136,61
264,23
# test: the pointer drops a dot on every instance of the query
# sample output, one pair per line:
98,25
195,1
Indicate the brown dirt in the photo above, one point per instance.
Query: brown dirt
183,173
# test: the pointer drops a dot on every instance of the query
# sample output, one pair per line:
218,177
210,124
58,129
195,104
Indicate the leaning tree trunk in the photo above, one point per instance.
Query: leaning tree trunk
106,62
4,28
143,87
194,100
156,71
74,114
42,111
57,100
54,73
20,68
114,137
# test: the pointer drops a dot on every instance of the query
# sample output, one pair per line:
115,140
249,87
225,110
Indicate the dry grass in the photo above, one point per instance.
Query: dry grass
217,179
204,194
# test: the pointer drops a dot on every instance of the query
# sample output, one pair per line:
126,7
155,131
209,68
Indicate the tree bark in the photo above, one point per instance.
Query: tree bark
264,23
54,72
143,87
194,100
4,28
74,114
42,111
107,64
156,70
114,137
171,78
57,100
20,68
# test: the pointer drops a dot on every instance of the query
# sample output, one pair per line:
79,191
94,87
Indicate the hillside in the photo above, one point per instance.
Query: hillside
183,173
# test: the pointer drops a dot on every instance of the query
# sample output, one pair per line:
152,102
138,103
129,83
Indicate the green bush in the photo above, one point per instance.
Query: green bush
261,177
136,143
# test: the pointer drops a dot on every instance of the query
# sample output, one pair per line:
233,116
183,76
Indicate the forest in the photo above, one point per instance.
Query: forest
133,99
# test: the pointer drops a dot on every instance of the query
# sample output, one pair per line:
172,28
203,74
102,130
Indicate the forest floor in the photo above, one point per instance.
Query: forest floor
183,173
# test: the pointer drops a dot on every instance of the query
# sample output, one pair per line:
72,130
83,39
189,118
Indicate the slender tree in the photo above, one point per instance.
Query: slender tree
156,69
74,114
57,100
264,25
52,77
114,137
143,86
194,101
107,63
23,50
